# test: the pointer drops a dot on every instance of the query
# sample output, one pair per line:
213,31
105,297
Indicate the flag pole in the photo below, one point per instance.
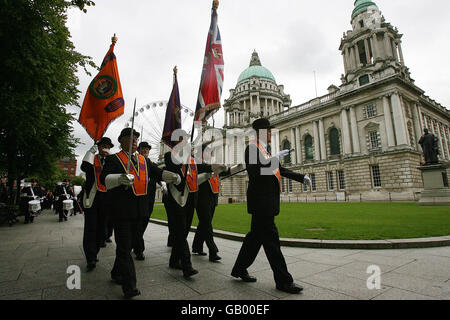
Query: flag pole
131,139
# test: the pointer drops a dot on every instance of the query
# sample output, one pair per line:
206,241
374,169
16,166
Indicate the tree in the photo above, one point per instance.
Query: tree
37,80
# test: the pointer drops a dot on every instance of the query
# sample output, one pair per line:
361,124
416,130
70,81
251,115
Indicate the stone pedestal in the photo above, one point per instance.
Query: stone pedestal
436,190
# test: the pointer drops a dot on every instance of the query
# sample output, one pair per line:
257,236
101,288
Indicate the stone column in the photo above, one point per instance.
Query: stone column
355,60
345,132
441,140
399,120
345,61
323,148
252,109
417,125
388,122
387,45
278,142
357,56
293,144
375,50
366,45
298,145
394,48
316,141
355,133
445,144
402,60
419,112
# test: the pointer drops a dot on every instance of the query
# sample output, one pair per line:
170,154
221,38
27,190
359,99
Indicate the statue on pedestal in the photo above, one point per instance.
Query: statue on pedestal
429,144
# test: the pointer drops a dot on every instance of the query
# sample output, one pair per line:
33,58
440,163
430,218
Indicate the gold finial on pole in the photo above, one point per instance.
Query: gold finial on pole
114,39
215,4
175,70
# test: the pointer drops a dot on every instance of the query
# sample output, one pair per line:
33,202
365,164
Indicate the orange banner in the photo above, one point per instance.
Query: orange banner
104,99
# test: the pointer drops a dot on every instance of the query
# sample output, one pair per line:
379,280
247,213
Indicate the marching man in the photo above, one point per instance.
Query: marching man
129,198
94,201
263,203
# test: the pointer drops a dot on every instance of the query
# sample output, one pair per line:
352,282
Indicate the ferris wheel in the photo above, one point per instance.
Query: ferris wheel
149,122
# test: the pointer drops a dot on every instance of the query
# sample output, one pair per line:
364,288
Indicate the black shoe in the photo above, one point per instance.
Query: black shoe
108,240
131,294
91,266
214,258
175,266
290,288
189,272
244,276
199,252
140,256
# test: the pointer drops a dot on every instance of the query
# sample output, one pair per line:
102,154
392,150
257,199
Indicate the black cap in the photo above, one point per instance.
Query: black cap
144,144
262,123
66,180
127,132
105,141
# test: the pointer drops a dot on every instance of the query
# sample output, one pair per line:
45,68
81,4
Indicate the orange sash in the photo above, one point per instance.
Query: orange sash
214,183
97,171
191,175
276,172
140,173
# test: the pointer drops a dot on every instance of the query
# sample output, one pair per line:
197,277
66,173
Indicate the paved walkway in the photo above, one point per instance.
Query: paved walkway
34,259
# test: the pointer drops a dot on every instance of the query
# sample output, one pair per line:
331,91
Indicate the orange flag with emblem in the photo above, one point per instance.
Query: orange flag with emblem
104,101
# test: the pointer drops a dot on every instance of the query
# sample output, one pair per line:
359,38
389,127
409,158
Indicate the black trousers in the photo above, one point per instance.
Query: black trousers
204,232
124,232
94,230
181,220
138,241
264,233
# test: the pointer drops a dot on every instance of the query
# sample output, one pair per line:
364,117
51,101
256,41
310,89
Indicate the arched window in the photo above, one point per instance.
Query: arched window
335,145
309,151
287,146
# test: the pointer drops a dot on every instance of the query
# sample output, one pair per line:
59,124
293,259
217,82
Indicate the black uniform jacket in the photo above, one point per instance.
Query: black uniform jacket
37,191
263,193
176,168
125,205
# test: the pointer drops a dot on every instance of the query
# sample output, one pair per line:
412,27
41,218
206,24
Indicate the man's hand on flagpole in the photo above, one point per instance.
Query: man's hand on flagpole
170,177
126,179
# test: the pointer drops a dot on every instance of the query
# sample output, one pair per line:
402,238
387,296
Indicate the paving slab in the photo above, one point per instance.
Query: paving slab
34,260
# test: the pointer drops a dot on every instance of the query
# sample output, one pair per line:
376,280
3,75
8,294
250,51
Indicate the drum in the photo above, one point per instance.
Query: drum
67,205
34,205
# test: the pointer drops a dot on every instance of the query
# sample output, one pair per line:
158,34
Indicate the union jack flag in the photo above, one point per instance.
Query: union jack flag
211,82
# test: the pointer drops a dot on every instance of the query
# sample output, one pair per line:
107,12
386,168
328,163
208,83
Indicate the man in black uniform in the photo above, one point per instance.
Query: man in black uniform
129,203
94,201
32,192
63,192
208,196
139,243
263,203
180,203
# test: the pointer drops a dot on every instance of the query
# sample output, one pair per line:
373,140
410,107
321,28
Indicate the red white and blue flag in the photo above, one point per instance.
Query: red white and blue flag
211,82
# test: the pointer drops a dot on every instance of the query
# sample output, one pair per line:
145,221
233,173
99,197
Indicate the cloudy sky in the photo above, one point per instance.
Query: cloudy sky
294,39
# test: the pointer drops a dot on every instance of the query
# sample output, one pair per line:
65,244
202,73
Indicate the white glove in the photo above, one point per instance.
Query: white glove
170,177
93,149
114,180
219,168
126,179
90,154
282,154
307,180
164,188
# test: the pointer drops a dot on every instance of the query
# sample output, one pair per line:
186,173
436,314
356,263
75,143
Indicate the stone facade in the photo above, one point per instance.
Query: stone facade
360,141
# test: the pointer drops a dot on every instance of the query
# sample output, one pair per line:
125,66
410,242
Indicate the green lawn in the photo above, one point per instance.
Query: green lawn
341,221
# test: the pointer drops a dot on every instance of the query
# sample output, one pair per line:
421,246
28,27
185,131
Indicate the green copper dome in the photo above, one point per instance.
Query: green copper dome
256,70
361,6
